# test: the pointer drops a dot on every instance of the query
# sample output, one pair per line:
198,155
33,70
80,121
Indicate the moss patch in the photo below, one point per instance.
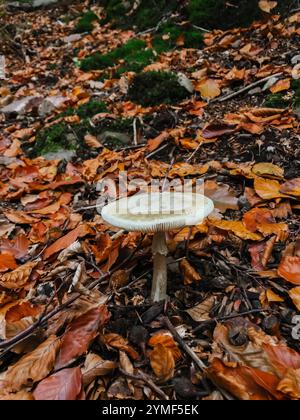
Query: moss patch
169,35
147,15
155,88
85,24
276,100
87,110
134,53
53,139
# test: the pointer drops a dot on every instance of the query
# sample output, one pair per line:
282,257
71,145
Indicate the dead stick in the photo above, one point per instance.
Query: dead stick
193,356
245,89
142,377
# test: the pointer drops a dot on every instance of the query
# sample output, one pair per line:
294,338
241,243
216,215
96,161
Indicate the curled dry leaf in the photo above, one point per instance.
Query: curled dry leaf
95,366
190,275
237,227
167,340
289,269
291,187
295,296
118,342
19,277
79,335
65,385
201,312
290,384
222,195
267,5
34,366
162,362
18,246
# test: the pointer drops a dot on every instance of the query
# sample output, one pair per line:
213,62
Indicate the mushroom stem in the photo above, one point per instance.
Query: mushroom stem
160,278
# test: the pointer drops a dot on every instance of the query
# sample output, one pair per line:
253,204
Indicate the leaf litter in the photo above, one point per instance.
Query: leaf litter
76,318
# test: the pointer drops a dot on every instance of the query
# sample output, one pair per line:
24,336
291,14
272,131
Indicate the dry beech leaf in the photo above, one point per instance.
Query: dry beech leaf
291,187
18,396
238,381
201,312
189,273
7,262
92,141
267,5
162,362
95,366
289,269
295,296
18,246
268,189
266,169
34,366
281,85
222,195
167,340
208,88
118,342
237,227
67,240
290,384
65,385
79,335
19,277
125,363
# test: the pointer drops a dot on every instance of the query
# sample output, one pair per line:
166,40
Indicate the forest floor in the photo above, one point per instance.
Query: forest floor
76,319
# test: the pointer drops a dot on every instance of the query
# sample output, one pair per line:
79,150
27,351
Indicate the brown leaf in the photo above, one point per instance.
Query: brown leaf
282,358
79,335
167,340
289,269
237,227
268,189
18,396
18,278
222,195
295,296
217,129
18,246
189,273
290,384
291,187
201,312
162,362
7,262
34,366
118,342
95,366
267,5
67,240
266,169
238,381
281,85
65,385
92,141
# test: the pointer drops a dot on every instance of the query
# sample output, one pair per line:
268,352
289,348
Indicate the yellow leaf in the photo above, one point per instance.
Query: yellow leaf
190,275
267,189
237,228
208,88
272,297
266,169
162,362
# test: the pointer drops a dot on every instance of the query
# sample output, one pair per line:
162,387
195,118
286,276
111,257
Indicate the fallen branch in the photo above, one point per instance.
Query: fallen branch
246,88
148,381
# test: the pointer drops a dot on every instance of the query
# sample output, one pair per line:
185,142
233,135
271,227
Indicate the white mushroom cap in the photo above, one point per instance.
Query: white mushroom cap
158,212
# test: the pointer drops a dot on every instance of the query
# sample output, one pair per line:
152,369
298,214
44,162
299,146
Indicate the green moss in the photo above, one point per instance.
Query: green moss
54,139
148,13
222,14
154,88
276,100
85,23
169,33
87,110
134,53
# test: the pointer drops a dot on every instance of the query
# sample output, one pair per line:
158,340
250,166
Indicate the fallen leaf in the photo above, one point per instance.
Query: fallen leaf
79,335
268,189
208,88
267,5
7,262
295,296
167,340
34,366
202,311
289,269
65,385
237,227
95,366
19,277
291,187
281,85
118,342
162,362
222,195
266,169
190,275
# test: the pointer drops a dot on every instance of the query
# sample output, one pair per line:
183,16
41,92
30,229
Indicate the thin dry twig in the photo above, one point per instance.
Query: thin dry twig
148,381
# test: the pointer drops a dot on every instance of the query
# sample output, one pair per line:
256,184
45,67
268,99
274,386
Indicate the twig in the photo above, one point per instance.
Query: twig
194,152
157,151
200,28
245,89
194,357
135,136
143,377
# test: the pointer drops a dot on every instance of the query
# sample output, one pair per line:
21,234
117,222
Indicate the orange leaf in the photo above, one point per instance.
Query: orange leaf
268,189
289,269
7,262
162,362
291,187
18,278
295,296
281,85
237,227
189,273
168,341
67,240
208,88
267,5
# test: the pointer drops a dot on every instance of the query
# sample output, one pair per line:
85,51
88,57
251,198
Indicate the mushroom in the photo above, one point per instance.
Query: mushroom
158,213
